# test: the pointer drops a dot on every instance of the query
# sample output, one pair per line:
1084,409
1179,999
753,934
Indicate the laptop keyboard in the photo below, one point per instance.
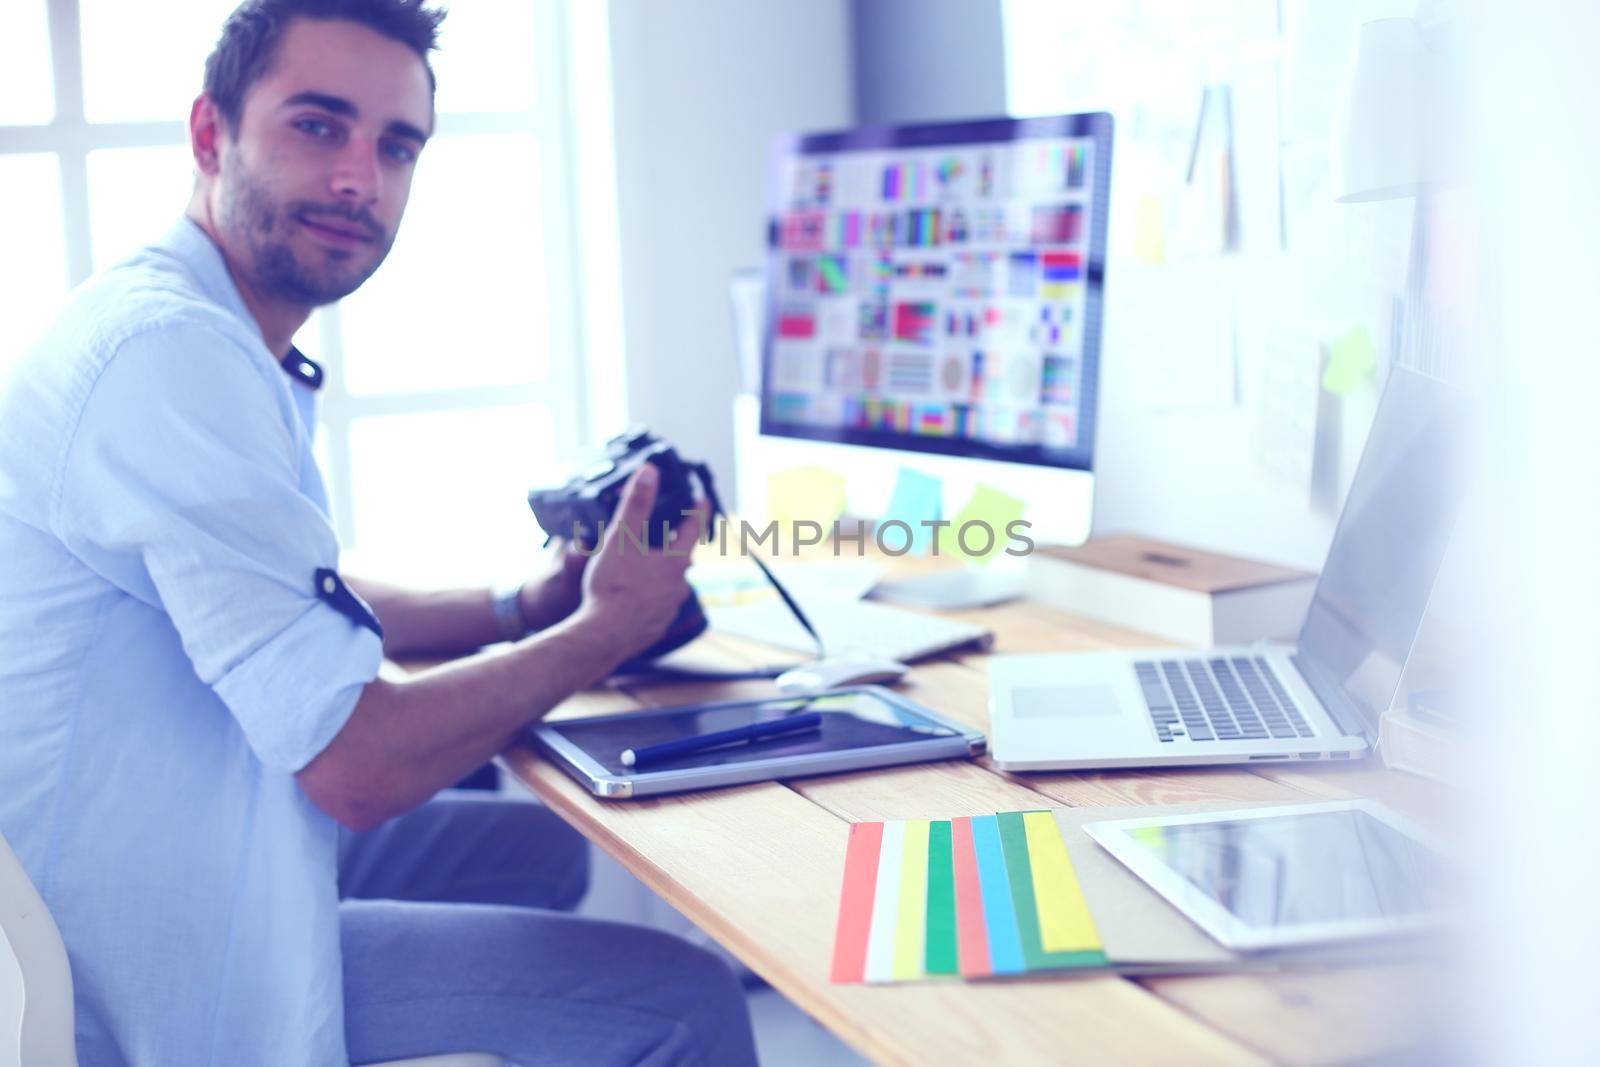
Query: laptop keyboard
1220,698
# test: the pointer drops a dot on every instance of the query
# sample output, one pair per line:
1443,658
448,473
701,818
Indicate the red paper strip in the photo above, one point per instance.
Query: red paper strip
855,901
972,937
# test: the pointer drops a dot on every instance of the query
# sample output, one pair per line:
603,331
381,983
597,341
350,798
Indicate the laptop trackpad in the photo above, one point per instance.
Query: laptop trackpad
1064,701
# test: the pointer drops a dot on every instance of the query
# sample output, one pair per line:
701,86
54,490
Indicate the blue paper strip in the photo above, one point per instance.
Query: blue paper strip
1005,942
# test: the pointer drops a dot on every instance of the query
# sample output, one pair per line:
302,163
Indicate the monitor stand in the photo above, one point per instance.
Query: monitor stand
967,587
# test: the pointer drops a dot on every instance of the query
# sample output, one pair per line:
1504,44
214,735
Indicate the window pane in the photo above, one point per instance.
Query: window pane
441,498
33,271
135,194
485,60
461,300
27,94
144,62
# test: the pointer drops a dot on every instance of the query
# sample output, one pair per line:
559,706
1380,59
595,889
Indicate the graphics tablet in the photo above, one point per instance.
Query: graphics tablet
1289,875
862,726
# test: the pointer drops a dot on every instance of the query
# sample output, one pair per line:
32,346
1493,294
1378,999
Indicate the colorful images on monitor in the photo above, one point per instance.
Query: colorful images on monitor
935,292
914,322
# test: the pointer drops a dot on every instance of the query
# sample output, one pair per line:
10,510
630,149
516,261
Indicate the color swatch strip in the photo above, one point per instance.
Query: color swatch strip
975,897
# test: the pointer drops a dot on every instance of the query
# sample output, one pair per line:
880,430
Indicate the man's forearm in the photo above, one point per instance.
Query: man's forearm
446,622
407,740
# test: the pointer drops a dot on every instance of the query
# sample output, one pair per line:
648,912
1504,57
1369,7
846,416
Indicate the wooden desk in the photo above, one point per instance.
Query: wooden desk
759,867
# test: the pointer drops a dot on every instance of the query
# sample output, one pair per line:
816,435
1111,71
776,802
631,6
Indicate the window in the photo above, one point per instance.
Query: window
35,281
455,380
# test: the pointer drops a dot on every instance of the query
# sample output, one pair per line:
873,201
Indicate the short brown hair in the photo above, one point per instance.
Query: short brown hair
250,36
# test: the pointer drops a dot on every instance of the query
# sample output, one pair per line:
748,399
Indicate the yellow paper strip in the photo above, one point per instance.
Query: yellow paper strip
912,923
1065,924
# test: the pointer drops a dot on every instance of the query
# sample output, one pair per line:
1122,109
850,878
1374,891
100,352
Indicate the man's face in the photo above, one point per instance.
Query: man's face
313,183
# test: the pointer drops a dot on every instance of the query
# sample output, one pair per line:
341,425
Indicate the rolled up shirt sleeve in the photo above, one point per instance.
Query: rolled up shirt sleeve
183,486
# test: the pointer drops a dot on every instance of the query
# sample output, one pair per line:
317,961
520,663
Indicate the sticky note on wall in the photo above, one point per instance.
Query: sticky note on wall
1149,232
1351,358
991,512
813,494
915,501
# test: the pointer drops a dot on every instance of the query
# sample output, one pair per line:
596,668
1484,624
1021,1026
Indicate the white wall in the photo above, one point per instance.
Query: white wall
701,87
1193,469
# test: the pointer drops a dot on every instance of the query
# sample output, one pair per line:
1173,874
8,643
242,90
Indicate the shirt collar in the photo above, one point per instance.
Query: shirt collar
193,247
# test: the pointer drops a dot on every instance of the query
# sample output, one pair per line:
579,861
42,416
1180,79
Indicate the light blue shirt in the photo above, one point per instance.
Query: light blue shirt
166,666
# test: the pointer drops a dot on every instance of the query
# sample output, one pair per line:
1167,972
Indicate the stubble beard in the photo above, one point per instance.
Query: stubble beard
262,223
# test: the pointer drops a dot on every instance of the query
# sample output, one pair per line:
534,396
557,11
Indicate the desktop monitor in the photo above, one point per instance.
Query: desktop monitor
934,295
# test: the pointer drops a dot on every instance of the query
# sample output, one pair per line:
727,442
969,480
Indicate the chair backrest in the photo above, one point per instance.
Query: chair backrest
35,1020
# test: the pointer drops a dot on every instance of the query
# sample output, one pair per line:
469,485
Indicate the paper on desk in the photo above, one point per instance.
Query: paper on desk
911,913
1023,892
1028,894
1136,924
732,582
979,896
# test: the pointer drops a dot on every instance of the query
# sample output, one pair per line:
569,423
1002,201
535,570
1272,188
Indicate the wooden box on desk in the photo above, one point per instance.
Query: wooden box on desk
1173,591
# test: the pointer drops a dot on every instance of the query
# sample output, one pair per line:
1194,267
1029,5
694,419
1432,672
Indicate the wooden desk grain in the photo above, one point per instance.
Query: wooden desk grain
758,867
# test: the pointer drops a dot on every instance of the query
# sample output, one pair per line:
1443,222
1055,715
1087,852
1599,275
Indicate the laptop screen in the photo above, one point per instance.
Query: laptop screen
1386,550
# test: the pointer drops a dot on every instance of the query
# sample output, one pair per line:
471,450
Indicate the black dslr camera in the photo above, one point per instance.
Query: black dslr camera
582,508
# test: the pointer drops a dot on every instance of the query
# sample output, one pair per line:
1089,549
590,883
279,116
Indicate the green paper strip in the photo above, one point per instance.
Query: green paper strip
1014,844
941,939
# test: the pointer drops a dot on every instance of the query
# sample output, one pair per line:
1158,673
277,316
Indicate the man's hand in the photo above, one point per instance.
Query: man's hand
637,592
407,740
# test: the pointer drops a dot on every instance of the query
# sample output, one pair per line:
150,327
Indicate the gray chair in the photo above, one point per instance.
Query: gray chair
36,985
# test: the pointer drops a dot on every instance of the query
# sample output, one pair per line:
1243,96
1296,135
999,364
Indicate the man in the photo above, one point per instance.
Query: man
190,704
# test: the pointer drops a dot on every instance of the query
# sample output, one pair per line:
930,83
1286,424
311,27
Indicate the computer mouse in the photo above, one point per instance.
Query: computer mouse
832,672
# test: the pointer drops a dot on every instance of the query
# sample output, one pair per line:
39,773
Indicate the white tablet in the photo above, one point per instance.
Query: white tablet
1290,875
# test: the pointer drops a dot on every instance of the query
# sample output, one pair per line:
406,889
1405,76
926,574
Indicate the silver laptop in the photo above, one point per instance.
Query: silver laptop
1318,699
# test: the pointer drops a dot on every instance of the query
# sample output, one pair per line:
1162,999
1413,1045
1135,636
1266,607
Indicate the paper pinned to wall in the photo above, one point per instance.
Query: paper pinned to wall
1149,231
1285,402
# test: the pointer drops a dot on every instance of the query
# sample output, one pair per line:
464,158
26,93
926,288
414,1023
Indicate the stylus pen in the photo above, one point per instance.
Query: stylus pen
756,731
